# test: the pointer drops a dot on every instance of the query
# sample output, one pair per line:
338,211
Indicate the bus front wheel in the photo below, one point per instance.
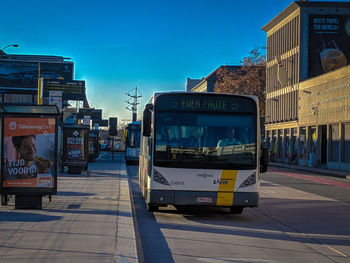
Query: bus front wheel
236,210
152,208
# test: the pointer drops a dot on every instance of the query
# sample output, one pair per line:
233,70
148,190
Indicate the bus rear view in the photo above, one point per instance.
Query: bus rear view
132,142
200,149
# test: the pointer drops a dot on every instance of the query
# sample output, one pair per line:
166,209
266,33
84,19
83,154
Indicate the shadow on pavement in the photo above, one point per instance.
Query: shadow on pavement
26,217
258,233
89,212
275,219
154,245
291,219
66,193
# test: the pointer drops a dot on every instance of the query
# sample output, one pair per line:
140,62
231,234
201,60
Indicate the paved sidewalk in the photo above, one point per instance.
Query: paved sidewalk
90,220
335,173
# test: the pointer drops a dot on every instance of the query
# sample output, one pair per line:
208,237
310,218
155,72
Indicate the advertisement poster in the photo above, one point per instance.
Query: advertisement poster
29,152
74,145
24,74
329,48
70,89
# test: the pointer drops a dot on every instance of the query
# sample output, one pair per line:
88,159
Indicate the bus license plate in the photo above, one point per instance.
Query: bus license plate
204,200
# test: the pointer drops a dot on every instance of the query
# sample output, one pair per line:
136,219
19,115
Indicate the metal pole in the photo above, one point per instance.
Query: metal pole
39,86
133,103
134,108
4,199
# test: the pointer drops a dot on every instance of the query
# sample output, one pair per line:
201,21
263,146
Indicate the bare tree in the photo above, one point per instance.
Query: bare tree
249,79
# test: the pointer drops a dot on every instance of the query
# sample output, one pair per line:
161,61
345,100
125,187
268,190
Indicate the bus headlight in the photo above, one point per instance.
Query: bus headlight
249,181
159,178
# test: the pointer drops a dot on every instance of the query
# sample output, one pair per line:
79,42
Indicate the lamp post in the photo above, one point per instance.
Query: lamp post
4,198
10,45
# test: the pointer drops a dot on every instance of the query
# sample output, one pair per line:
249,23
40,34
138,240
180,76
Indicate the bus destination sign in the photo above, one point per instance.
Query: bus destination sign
199,102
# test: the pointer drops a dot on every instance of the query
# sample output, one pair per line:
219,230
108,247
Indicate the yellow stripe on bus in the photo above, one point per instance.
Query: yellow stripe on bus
226,188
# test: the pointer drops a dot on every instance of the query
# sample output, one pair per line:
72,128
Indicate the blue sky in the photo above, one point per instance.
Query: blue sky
152,44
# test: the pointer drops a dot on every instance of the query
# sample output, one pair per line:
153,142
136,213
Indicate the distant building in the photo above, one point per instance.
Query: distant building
207,84
19,75
191,83
308,85
19,78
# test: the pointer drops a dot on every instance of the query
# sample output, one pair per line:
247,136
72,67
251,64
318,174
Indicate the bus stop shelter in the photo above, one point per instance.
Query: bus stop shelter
28,153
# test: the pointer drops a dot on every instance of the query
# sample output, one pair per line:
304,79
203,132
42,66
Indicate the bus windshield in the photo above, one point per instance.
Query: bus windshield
205,140
133,137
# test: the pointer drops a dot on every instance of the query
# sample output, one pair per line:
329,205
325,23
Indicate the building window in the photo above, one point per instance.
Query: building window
279,144
346,152
287,143
268,139
18,98
334,142
302,142
312,139
273,146
294,148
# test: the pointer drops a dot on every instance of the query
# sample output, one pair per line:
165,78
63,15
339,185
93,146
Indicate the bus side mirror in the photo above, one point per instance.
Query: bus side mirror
264,160
147,119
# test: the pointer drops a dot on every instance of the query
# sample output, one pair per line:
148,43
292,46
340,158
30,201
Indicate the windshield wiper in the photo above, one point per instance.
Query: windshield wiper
200,156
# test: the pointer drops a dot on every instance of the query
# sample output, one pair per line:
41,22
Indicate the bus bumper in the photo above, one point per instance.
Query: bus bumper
161,197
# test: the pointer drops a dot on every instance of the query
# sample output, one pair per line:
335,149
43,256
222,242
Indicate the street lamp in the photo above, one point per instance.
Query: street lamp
11,45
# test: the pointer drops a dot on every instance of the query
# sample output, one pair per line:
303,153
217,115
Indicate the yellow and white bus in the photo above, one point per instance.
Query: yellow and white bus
182,160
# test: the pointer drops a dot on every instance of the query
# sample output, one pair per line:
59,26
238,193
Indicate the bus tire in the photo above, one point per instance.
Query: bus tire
74,170
236,210
181,208
152,208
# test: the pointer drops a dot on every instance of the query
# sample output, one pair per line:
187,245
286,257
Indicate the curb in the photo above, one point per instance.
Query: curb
139,251
126,252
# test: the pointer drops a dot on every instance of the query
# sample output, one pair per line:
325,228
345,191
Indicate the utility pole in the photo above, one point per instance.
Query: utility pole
133,102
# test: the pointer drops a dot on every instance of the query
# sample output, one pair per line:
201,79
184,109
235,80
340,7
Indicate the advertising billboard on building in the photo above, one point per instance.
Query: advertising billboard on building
24,74
71,89
329,49
29,145
95,114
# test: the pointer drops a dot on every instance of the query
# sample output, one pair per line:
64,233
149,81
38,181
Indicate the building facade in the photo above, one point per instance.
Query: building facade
207,84
19,75
191,83
308,85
